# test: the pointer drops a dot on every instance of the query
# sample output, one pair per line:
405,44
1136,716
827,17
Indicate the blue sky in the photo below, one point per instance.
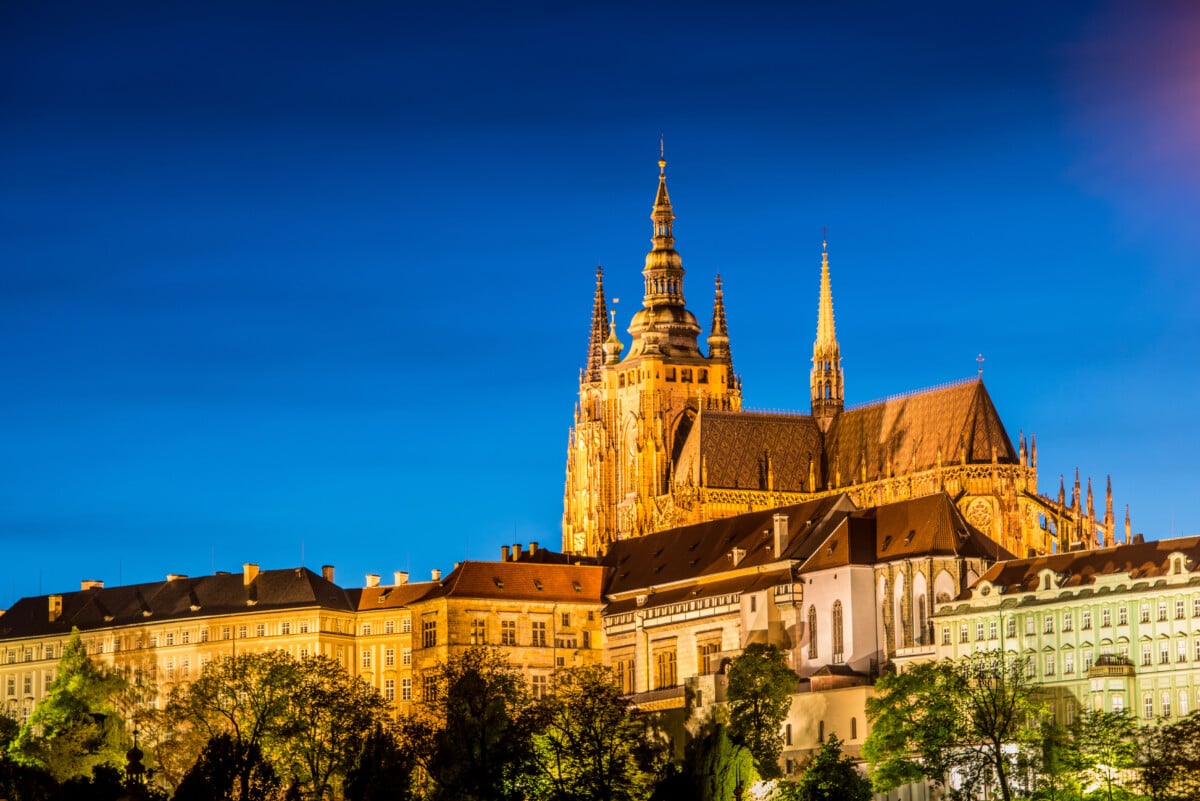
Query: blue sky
311,282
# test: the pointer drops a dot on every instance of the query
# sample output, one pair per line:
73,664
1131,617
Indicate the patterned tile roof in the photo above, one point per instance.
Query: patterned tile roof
180,598
912,430
734,449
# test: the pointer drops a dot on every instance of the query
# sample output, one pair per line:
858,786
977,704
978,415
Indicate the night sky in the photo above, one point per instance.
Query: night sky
310,283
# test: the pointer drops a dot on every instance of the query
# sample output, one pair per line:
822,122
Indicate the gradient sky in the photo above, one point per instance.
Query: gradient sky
311,282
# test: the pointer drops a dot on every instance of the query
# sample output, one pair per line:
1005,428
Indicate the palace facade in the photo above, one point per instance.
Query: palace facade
660,439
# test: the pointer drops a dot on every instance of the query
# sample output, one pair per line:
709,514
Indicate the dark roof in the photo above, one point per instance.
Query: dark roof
704,549
531,581
1080,568
391,597
735,448
180,598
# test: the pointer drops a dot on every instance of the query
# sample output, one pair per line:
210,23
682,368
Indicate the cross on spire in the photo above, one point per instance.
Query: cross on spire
979,360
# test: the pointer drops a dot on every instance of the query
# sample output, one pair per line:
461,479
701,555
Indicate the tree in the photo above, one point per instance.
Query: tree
232,770
760,694
831,776
75,727
1104,747
589,745
383,770
1169,759
329,713
962,715
474,736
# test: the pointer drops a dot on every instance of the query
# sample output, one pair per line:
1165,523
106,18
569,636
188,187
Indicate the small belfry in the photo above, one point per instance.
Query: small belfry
660,440
828,390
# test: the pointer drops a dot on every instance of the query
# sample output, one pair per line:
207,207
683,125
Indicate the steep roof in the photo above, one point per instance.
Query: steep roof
180,598
912,430
523,581
393,597
734,448
1080,568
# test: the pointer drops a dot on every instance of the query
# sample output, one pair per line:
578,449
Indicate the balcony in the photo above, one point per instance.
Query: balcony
1110,665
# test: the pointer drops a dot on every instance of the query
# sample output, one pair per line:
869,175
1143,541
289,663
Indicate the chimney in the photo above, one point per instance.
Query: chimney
372,579
437,574
399,577
175,576
516,551
249,573
533,547
781,534
91,584
327,573
504,553
55,607
737,554
1139,539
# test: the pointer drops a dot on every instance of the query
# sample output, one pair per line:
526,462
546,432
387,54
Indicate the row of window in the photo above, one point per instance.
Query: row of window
1087,657
389,627
1068,620
26,685
837,632
389,657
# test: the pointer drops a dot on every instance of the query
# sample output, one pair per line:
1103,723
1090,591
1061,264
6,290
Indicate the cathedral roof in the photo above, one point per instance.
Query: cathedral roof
734,448
179,598
913,431
1141,560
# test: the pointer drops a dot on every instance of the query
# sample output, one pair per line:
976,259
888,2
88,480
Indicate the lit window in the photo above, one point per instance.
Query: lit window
389,689
429,634
406,689
389,657
285,628
389,627
508,632
539,633
366,658
1085,619
187,637
539,686
406,656
260,630
406,625
1122,616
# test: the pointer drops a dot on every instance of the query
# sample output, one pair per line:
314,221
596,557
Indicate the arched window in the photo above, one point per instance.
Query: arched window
922,621
812,632
836,632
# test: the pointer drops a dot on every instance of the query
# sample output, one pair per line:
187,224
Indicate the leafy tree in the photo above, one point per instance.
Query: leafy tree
1104,745
951,715
831,776
329,711
760,694
1169,759
914,726
1049,760
383,770
75,727
721,768
231,770
474,739
589,745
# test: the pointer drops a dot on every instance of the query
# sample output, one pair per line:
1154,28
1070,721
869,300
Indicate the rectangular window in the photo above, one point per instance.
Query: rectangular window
366,629
429,634
12,685
1048,624
623,674
389,657
1123,616
28,654
1068,622
508,632
1181,650
260,630
1029,626
153,640
1166,703
170,638
1030,668
945,635
566,619
479,631
1106,617
1183,703
1085,619
991,629
539,686
1179,609
185,667
978,631
242,632
539,633
406,689
1068,663
187,637
665,668
1196,607
49,651
285,628
1050,665
1162,610
429,690
27,685
1164,653
389,689
203,635
406,656
406,625
366,658
1087,661
170,668
226,632
389,627
1146,657
1145,618
1118,703
962,633
1010,627
304,627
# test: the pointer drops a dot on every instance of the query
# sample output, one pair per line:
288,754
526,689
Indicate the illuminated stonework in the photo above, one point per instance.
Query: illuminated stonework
660,439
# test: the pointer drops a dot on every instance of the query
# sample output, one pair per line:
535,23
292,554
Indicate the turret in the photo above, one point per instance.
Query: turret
826,385
599,334
718,340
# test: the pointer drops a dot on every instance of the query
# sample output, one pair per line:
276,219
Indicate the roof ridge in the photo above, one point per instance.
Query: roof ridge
914,392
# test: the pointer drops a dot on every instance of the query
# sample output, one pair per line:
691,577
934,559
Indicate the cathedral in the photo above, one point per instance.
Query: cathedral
660,439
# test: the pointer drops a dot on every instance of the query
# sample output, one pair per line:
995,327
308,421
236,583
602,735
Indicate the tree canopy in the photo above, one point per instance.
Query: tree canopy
760,694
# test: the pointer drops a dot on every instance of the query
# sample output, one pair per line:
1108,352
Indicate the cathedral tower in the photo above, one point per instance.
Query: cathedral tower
827,391
637,406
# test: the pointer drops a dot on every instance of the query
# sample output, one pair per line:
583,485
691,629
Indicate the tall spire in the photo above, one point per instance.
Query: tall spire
599,331
718,340
663,300
826,382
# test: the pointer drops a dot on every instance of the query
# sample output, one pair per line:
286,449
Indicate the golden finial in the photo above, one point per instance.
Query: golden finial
662,155
824,240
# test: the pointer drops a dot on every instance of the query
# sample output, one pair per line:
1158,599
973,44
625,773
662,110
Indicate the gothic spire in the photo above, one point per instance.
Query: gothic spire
599,331
718,340
826,382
